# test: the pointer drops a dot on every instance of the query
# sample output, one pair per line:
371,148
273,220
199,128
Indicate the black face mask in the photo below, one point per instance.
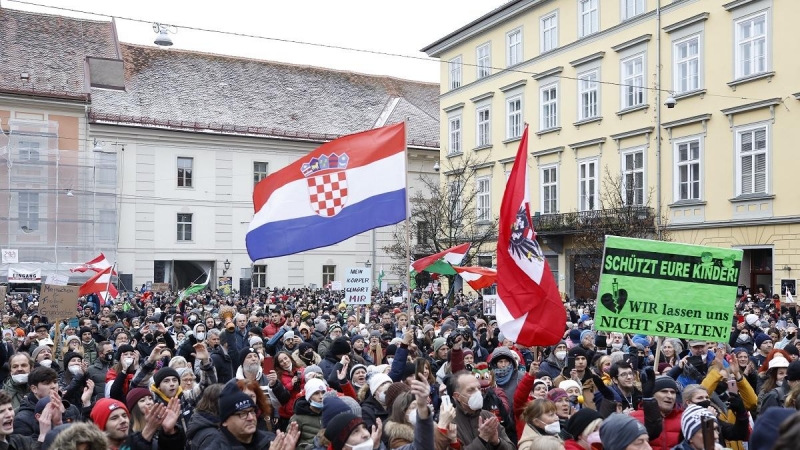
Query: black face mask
704,403
109,357
721,388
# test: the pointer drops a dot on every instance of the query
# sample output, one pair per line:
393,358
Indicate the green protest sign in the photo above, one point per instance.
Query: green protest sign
667,289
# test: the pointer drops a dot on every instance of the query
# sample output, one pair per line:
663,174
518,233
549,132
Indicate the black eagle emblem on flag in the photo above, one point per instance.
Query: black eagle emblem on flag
523,244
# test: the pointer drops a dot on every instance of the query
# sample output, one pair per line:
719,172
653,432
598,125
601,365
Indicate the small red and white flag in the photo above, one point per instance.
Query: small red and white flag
529,307
99,264
101,285
477,277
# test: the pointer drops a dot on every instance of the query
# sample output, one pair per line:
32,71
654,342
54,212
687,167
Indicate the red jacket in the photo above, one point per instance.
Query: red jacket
521,397
271,329
670,434
286,411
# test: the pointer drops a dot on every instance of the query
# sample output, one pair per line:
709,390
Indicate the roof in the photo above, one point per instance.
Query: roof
195,91
52,50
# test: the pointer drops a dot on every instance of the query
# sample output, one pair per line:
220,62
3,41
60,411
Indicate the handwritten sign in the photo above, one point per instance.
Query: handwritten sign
56,279
10,256
358,286
58,302
490,305
336,285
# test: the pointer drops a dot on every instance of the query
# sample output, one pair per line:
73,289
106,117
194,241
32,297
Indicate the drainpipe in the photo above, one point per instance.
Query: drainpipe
658,119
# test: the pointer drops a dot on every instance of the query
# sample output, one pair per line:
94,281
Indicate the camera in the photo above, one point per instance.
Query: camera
671,102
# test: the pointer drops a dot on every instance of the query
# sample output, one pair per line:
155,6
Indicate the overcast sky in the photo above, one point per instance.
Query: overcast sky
401,27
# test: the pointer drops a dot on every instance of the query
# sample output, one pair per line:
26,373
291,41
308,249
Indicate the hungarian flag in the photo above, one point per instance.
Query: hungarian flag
477,277
98,264
529,307
441,263
100,284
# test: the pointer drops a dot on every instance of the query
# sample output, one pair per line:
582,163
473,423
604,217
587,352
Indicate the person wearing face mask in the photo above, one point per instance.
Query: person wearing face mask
43,383
73,380
727,407
43,356
305,355
349,432
119,377
556,361
477,428
308,410
774,389
16,385
540,421
506,375
584,430
97,371
373,407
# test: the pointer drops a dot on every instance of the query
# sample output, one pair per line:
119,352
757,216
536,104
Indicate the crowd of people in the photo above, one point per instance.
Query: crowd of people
289,369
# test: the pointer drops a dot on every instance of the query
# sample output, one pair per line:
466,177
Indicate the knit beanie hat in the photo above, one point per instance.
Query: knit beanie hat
38,350
619,430
71,338
311,370
340,428
575,336
692,419
664,382
134,395
377,380
438,343
766,429
356,337
340,346
255,340
232,400
84,330
243,354
556,394
164,372
581,420
103,408
69,356
351,403
314,386
566,384
356,367
577,351
793,372
124,348
392,392
332,406
761,338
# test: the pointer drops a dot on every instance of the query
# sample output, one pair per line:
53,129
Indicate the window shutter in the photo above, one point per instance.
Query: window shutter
747,174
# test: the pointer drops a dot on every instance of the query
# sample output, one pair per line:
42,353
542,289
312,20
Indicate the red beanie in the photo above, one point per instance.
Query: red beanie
102,409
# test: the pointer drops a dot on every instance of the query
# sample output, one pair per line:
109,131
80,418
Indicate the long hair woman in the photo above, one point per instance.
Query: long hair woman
263,407
293,379
540,420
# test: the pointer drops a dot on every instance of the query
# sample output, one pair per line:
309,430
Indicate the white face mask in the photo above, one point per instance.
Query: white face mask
128,361
381,397
46,362
366,445
553,428
21,378
200,336
593,438
561,355
390,360
475,401
412,417
76,370
616,346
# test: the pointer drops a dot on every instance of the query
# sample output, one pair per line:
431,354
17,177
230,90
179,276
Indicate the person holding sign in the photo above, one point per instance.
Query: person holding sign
661,415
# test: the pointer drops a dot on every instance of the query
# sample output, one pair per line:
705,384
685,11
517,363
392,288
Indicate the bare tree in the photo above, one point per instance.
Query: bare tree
445,213
624,210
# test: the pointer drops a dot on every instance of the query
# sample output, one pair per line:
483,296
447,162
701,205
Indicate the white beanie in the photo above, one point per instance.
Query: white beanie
566,384
377,380
313,386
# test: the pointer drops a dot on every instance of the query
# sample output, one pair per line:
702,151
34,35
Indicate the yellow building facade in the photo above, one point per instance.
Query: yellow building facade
691,104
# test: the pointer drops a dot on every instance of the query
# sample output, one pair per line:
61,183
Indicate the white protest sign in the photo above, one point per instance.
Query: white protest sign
358,286
10,256
490,305
57,280
336,285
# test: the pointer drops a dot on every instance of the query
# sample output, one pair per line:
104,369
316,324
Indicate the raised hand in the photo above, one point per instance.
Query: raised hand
377,430
155,355
201,352
86,397
171,415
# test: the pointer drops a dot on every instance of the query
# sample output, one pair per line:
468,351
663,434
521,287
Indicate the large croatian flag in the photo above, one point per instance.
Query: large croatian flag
344,187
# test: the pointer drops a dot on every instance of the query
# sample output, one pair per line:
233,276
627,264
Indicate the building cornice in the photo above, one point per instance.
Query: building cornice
507,160
632,133
513,85
769,103
485,96
736,4
588,143
452,108
548,73
548,151
686,22
483,165
633,42
587,59
702,118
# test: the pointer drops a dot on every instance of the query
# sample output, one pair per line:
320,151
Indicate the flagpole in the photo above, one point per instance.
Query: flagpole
110,275
408,226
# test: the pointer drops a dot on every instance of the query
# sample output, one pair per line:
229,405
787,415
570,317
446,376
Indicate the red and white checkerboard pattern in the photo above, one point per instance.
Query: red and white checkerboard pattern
328,193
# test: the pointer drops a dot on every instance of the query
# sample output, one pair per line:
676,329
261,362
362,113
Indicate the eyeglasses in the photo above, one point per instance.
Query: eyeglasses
625,375
245,414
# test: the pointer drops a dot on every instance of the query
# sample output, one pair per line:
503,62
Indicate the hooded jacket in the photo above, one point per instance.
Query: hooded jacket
25,422
16,391
308,422
223,363
97,373
371,409
74,434
203,432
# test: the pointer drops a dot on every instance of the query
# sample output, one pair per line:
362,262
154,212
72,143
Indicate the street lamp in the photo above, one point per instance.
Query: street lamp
367,264
227,266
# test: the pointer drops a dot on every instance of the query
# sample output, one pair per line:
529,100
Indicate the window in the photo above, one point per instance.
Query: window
28,211
423,232
514,44
549,35
28,150
260,171
548,100
514,117
589,17
455,136
108,224
259,276
687,64
105,168
687,159
633,178
550,190
751,46
633,82
483,199
485,261
484,58
185,172
632,8
587,95
752,161
455,72
587,185
552,261
328,274
184,227
484,137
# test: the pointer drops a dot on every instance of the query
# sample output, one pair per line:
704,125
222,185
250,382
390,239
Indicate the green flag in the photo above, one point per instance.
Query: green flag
193,289
380,277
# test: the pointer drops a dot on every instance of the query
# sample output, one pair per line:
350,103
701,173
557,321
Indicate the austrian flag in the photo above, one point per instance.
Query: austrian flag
529,307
